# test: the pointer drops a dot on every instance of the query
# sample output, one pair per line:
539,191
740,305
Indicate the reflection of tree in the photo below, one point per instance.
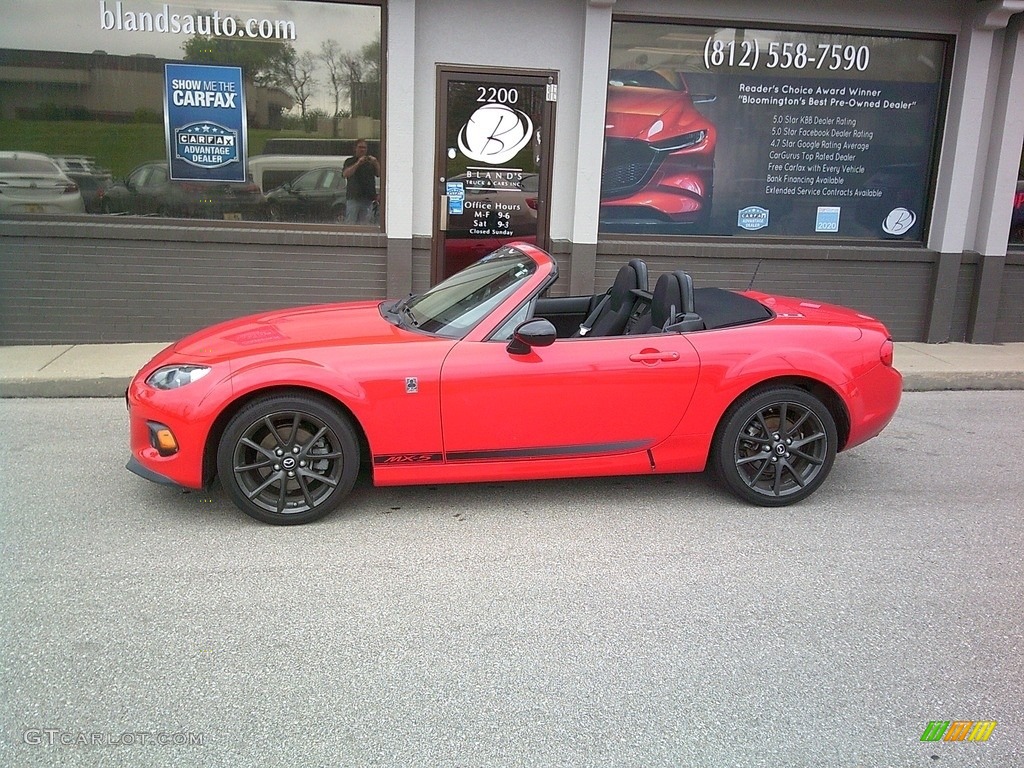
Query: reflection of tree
352,74
330,53
256,57
294,73
264,63
276,64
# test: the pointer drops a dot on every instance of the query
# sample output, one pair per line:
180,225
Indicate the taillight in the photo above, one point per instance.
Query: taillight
532,202
70,188
886,352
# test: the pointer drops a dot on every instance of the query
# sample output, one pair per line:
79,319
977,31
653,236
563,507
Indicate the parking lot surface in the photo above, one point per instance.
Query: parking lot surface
643,621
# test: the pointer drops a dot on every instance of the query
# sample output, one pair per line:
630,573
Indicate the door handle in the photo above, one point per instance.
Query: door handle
444,214
651,356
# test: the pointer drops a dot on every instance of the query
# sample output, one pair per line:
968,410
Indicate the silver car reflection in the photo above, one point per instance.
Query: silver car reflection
32,183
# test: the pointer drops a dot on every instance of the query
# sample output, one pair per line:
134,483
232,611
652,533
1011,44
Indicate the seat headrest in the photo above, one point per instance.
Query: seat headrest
626,281
667,301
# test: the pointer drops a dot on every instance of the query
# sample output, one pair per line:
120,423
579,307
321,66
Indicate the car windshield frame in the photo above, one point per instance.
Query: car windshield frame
455,306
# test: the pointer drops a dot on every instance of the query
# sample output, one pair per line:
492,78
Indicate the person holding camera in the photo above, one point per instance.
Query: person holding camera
361,170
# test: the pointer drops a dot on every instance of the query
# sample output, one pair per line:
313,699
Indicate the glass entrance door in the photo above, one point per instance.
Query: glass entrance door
493,164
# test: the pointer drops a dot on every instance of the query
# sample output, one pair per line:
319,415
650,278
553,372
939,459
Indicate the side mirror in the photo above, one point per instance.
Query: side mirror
532,333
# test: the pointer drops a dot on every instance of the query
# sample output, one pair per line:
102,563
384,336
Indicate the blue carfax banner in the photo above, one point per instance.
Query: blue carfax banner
204,119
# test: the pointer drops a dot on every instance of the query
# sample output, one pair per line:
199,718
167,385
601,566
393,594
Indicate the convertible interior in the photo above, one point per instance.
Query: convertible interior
629,307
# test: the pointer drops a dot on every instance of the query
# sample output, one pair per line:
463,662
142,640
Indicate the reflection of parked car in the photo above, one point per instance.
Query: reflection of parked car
91,180
317,195
149,190
272,171
659,152
32,183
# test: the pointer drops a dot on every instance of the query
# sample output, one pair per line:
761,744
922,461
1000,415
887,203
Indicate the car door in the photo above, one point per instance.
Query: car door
135,185
158,193
326,192
298,200
578,397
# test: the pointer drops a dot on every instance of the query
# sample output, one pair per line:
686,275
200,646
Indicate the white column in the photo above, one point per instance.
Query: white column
590,150
965,140
1004,146
400,123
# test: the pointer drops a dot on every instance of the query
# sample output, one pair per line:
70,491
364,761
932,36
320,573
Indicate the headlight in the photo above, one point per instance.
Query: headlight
174,376
680,142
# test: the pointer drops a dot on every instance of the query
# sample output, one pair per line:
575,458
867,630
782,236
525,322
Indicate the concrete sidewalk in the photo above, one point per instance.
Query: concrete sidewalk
104,370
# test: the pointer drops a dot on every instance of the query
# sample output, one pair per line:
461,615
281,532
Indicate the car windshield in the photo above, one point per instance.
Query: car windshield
455,305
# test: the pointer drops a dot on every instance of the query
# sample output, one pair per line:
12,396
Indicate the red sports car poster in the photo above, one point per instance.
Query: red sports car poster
764,132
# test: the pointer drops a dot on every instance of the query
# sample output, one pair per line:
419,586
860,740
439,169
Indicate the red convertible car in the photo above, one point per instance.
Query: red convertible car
484,377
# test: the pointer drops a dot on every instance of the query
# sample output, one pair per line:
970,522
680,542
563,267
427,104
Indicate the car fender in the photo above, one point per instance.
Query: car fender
776,363
258,375
727,371
375,404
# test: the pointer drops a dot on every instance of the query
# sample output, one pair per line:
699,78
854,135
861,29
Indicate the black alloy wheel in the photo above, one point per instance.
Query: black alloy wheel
775,447
287,460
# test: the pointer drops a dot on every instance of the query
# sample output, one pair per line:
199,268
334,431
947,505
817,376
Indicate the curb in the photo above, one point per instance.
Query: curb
115,386
963,381
107,386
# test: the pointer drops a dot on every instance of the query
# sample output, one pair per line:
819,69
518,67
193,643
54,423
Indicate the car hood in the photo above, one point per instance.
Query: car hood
291,330
633,113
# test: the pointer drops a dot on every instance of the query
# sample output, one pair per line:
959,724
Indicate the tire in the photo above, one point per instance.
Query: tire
775,447
288,460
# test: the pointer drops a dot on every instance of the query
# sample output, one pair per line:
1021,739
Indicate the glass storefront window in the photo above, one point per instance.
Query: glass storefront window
770,133
144,108
1017,217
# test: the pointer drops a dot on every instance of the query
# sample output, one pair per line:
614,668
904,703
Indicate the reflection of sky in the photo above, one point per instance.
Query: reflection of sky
75,25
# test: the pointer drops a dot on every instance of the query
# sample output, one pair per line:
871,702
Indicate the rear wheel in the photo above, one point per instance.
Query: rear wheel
287,460
775,447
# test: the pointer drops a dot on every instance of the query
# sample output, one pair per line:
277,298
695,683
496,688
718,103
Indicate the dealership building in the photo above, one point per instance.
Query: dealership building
861,153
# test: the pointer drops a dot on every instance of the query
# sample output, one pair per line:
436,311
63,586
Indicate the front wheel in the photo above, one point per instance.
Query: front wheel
775,447
287,460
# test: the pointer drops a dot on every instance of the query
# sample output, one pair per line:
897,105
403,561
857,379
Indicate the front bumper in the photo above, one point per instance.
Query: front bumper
187,413
142,471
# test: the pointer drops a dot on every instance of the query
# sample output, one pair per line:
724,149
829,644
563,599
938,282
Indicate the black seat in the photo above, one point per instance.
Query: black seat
612,313
671,306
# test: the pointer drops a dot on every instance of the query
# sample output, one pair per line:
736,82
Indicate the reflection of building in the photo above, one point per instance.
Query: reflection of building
955,279
112,88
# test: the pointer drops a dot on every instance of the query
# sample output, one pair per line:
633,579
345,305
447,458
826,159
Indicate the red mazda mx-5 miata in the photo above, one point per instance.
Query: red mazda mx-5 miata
484,377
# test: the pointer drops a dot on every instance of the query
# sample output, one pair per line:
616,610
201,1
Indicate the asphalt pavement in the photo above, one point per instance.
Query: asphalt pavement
649,621
104,370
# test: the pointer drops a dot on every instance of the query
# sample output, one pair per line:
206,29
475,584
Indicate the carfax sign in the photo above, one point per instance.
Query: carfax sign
204,119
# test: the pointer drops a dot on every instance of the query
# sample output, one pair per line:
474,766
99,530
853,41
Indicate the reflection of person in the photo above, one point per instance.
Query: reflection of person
362,171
